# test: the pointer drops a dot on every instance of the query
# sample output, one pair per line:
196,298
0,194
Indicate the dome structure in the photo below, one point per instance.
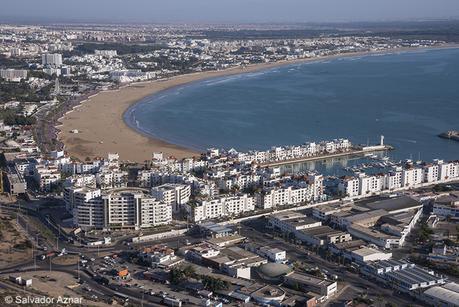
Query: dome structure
273,271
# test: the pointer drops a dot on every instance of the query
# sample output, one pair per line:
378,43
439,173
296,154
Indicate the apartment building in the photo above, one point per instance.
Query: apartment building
228,205
173,194
119,209
46,176
349,186
111,178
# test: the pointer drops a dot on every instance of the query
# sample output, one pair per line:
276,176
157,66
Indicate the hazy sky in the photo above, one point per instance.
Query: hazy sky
214,11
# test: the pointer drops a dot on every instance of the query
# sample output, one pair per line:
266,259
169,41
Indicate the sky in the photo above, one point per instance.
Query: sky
225,11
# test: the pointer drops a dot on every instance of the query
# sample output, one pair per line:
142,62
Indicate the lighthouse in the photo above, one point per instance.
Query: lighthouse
381,143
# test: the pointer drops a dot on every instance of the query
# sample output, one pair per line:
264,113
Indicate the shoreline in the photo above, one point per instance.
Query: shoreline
102,121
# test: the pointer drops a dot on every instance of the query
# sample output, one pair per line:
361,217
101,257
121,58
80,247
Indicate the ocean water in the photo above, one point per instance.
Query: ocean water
408,97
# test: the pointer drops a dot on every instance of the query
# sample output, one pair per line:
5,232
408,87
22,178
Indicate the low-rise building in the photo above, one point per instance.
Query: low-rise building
273,254
368,254
235,262
447,206
159,256
374,236
15,183
306,283
402,276
291,222
322,235
446,295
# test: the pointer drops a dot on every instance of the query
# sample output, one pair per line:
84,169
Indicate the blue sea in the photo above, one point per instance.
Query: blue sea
408,97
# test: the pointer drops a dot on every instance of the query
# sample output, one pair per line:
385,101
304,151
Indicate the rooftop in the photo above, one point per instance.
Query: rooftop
367,251
413,275
394,204
452,199
447,293
350,245
273,270
308,279
289,215
321,231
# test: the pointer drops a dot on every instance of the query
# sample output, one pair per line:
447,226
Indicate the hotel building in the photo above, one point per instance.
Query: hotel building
117,209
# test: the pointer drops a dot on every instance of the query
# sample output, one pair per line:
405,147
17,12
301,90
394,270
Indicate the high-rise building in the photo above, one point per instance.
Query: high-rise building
173,194
51,59
127,208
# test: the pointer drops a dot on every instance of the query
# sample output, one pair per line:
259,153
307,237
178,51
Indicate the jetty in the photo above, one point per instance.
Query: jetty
450,135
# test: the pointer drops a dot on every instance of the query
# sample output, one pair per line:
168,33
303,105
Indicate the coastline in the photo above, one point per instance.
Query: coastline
100,119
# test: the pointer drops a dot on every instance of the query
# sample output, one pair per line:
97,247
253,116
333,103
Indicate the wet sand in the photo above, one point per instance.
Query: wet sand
102,130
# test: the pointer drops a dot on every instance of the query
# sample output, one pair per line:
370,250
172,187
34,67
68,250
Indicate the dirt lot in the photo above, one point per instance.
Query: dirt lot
65,260
57,284
14,245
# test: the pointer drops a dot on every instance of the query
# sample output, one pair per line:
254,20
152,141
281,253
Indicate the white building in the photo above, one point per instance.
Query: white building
368,254
273,254
431,173
119,209
173,194
349,186
106,53
393,180
14,75
370,184
447,206
131,75
79,195
292,194
46,176
111,178
412,177
51,59
221,206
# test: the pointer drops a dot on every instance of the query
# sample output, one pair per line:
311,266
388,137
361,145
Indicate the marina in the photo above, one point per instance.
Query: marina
355,152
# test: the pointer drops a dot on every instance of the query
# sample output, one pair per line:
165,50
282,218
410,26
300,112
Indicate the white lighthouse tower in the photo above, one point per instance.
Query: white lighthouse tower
381,143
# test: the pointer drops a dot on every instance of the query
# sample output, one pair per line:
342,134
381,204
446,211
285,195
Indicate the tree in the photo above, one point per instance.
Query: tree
176,275
180,273
189,271
214,284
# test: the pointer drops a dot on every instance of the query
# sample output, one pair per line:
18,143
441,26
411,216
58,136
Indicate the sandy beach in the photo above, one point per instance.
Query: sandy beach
102,130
